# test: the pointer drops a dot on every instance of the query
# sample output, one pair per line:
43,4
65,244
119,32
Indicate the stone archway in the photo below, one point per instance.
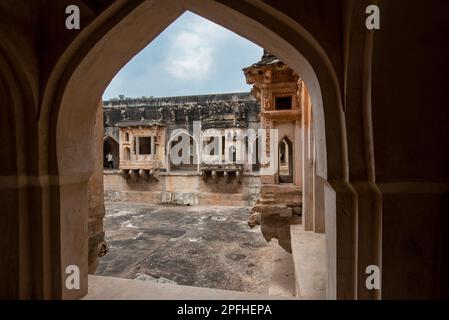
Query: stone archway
98,53
285,161
111,145
194,157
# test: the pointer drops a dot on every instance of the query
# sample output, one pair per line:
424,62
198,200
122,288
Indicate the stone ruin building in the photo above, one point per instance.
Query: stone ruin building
143,132
220,161
374,152
281,94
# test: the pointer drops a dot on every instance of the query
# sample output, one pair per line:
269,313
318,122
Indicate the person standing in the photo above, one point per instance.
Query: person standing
110,159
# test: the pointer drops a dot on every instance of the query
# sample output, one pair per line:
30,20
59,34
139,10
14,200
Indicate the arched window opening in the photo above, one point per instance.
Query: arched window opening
182,153
285,161
127,154
111,157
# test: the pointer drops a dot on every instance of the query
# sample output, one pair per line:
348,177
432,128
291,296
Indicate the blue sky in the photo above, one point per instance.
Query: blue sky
192,56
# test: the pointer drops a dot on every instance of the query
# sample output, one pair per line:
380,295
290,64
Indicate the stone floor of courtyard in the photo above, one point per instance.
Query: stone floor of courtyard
202,246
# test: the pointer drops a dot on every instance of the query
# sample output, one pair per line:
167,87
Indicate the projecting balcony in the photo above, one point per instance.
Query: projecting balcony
283,115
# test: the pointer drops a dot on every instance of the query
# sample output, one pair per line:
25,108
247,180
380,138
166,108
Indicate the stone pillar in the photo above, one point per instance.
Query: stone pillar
318,188
346,239
298,156
415,240
74,226
318,204
307,163
96,195
368,235
14,234
331,240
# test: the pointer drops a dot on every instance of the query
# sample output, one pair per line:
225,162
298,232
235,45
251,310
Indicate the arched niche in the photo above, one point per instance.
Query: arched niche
182,141
285,162
111,145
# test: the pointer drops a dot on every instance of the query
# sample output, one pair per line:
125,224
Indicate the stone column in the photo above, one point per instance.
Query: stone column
415,239
318,203
346,239
298,158
95,193
307,162
318,188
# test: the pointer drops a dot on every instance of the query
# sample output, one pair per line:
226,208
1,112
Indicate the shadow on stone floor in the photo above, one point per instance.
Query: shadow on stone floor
200,246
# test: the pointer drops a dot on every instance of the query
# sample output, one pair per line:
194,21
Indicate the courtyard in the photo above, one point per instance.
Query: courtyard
201,246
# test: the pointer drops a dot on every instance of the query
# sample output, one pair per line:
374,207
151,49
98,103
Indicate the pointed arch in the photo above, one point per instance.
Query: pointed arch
285,160
99,51
194,148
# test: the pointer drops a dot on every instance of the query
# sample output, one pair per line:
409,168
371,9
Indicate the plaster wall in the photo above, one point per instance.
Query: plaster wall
183,189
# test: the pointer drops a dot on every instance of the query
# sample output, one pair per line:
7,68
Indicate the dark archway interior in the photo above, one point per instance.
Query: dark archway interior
110,145
285,161
255,155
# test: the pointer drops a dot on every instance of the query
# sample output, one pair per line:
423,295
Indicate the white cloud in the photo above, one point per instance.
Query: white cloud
191,52
184,60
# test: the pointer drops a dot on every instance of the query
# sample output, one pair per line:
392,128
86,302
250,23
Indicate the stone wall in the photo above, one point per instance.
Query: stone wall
95,196
182,189
180,112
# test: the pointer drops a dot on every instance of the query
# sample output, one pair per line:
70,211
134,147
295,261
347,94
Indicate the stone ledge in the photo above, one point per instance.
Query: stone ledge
281,188
181,173
110,288
309,258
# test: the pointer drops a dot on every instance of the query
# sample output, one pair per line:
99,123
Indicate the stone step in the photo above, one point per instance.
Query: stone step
110,288
268,195
291,200
276,209
280,188
267,201
309,260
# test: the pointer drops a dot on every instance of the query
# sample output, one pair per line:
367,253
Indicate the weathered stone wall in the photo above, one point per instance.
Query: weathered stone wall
95,196
181,112
183,189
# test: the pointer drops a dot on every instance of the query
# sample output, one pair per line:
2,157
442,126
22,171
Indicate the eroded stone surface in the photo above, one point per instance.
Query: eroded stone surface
198,246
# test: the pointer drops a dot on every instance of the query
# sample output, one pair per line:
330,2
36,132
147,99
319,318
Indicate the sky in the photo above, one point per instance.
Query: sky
192,56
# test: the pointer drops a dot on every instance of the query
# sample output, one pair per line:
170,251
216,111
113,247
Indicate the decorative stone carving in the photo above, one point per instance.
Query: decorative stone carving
274,209
267,75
